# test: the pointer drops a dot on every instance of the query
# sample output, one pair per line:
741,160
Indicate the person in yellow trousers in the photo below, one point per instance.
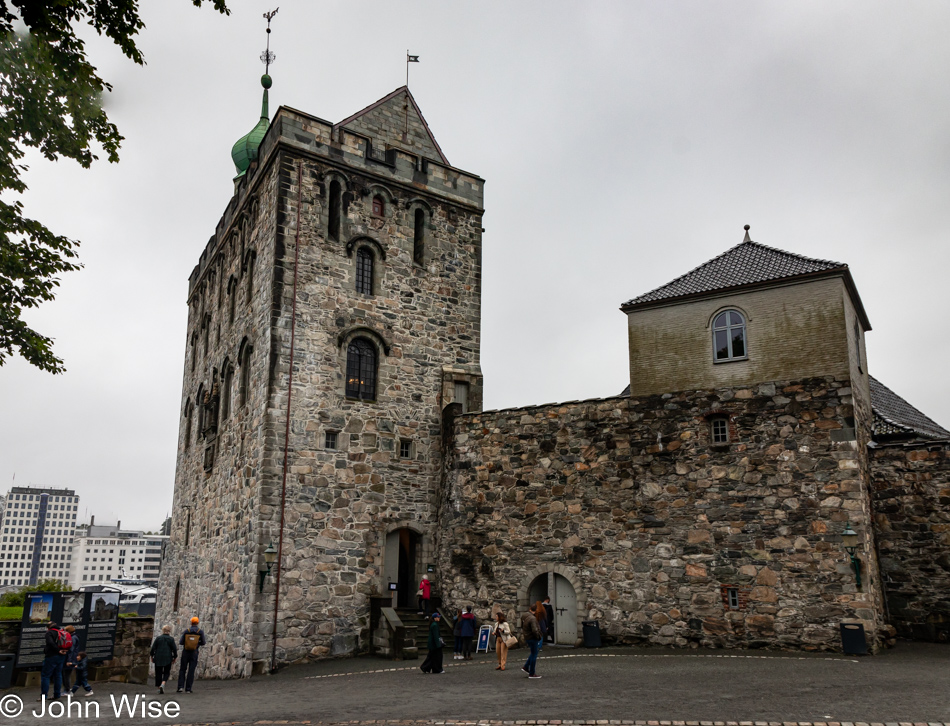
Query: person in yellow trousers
502,633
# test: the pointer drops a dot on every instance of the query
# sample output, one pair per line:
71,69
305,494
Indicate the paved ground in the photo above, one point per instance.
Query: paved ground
908,684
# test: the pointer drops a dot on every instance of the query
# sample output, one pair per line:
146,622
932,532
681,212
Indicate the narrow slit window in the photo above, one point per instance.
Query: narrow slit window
379,206
729,336
250,277
364,271
333,228
461,395
419,237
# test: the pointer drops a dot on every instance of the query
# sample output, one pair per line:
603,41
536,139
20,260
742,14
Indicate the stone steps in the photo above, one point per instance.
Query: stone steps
412,619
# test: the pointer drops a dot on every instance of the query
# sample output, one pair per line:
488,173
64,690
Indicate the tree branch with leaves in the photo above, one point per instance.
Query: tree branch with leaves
50,100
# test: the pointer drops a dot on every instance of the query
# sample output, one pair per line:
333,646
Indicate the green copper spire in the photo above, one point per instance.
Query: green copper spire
245,148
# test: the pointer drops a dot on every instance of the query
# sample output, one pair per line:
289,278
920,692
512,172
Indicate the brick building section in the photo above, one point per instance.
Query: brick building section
630,496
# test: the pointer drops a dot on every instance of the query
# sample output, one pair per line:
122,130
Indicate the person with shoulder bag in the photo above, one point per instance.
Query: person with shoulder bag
503,640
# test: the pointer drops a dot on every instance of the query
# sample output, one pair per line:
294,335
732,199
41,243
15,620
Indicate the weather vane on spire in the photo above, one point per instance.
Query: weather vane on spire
267,57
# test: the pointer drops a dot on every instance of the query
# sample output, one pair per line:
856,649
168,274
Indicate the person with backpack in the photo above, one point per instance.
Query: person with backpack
70,664
164,653
190,641
58,644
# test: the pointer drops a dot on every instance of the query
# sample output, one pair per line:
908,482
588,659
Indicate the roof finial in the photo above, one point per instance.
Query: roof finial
245,149
747,237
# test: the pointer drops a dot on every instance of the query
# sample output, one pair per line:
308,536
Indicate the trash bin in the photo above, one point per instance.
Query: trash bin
6,670
853,641
591,634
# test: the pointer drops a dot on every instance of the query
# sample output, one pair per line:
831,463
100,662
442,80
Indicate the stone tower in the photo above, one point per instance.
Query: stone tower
333,315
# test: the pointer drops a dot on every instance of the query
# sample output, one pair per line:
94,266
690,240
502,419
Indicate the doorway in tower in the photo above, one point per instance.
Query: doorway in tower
400,566
563,602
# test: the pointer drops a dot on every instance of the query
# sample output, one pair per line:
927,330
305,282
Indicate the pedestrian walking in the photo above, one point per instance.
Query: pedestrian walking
425,593
457,634
191,640
549,611
467,631
164,653
433,661
532,636
70,664
502,633
56,647
542,617
82,673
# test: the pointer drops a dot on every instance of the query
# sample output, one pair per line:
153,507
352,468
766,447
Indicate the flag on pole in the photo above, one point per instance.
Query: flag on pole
412,58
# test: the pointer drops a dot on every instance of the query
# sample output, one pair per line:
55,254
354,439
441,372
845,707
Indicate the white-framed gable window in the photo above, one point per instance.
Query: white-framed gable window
729,337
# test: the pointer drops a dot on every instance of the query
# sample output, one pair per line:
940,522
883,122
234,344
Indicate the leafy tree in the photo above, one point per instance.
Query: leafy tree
50,100
16,598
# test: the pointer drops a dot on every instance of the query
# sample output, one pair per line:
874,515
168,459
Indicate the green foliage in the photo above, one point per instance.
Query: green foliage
17,598
50,100
11,613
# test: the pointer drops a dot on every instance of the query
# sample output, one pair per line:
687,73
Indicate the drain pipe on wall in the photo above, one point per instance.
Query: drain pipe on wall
290,387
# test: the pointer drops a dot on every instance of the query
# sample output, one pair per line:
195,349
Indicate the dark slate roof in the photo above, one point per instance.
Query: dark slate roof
893,416
745,264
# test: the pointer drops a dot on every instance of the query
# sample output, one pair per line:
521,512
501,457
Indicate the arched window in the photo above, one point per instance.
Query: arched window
187,424
419,237
245,363
194,351
251,259
379,206
227,382
361,370
729,341
232,294
333,228
364,271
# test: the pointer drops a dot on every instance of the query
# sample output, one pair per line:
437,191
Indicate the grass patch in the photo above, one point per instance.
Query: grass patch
11,613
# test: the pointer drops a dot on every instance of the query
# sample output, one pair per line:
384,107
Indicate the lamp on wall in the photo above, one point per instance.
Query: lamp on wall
849,540
270,556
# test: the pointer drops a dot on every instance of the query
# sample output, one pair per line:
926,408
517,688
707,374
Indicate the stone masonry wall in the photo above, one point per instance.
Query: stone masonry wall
651,520
212,558
424,320
911,493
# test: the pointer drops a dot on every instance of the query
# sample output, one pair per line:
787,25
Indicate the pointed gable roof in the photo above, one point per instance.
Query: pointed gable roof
362,119
748,264
895,417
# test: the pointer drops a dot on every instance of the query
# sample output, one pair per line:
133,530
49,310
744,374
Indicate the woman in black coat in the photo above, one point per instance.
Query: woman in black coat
164,652
433,661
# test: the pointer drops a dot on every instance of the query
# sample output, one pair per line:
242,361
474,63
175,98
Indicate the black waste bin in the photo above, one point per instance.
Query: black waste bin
591,634
6,670
853,641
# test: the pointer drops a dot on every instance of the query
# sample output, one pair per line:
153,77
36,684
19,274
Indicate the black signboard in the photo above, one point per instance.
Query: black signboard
94,615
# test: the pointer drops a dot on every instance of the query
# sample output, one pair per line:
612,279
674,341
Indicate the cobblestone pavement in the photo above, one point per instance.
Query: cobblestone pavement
907,686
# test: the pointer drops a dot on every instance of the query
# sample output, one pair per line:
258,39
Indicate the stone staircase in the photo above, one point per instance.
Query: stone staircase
414,621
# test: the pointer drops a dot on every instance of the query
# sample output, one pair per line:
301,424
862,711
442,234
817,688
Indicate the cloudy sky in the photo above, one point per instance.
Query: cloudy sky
623,143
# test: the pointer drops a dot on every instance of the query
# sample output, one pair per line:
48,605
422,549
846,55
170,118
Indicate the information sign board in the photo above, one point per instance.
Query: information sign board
94,615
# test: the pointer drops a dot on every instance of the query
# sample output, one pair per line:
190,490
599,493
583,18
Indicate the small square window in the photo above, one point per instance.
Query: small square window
329,440
732,597
405,449
720,431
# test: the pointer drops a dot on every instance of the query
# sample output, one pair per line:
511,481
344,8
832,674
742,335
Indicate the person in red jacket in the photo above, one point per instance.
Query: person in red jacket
425,593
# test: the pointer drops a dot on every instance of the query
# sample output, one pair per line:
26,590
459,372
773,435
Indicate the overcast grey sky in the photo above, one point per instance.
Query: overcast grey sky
623,143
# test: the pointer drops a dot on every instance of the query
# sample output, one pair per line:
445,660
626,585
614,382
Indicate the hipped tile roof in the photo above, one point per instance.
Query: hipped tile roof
745,264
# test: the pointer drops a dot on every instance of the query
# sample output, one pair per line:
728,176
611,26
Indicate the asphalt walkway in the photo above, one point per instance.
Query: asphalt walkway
910,684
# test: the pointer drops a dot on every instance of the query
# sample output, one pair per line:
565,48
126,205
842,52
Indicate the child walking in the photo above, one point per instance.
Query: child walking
82,674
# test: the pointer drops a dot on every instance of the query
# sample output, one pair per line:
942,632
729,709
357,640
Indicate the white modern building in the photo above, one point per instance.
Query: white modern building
37,535
103,553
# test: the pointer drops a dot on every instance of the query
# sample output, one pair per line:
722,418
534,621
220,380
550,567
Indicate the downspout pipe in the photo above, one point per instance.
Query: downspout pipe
290,389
